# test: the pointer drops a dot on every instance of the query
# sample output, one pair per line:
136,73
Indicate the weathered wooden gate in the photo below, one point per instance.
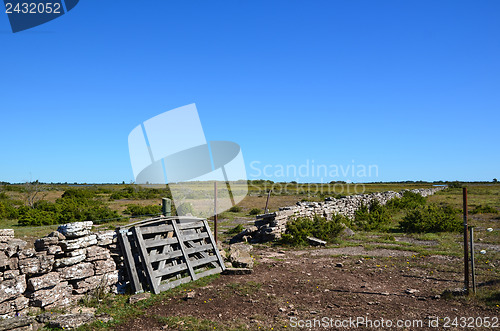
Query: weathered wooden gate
164,252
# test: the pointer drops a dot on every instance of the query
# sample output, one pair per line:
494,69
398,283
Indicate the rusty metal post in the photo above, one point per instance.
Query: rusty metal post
466,243
215,211
267,202
472,259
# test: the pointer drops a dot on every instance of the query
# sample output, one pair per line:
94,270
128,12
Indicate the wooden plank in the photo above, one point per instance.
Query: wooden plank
145,259
199,262
175,283
149,243
170,270
195,236
157,229
210,272
203,254
190,225
183,249
214,244
129,261
174,254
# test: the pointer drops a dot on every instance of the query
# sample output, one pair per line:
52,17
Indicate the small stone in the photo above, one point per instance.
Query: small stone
411,291
71,321
339,265
57,235
139,297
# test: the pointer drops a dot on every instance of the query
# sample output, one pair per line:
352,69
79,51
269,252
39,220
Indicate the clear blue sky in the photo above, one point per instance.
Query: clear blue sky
412,87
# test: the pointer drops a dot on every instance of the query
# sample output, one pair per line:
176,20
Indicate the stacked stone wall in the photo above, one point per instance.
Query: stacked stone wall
58,270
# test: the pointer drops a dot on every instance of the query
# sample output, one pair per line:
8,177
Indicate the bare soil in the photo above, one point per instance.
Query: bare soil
308,285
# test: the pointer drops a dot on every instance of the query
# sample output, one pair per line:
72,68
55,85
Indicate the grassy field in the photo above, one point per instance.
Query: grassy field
436,256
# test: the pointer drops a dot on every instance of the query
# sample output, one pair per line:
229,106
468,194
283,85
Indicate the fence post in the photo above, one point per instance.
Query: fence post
166,207
466,243
472,259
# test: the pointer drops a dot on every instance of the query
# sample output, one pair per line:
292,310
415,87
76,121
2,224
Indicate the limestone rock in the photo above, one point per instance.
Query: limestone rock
57,235
77,252
29,266
44,243
44,281
46,262
68,261
104,266
12,288
105,238
139,297
95,282
71,321
54,250
15,322
43,298
72,244
95,253
26,253
10,274
239,256
14,305
76,229
6,234
77,271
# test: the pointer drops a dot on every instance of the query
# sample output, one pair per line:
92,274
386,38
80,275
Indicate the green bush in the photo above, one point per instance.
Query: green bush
7,210
75,205
409,200
432,218
371,218
235,209
237,229
484,209
140,193
255,211
299,229
136,210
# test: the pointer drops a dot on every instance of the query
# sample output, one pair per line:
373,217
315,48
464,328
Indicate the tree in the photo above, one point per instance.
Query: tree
33,192
495,180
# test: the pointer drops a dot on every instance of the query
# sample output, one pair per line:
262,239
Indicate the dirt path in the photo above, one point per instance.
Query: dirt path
288,288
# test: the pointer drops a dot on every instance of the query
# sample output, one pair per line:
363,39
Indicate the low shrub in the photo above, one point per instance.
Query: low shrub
432,218
409,200
237,229
7,210
484,209
136,210
299,229
373,217
75,205
255,211
235,209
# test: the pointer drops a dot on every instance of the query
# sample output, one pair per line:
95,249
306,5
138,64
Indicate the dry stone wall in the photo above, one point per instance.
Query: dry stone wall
271,226
58,270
